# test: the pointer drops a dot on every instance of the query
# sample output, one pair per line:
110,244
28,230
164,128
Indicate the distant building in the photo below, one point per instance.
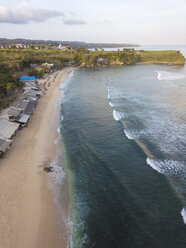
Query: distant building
19,114
47,67
47,64
25,46
21,46
7,128
64,48
18,46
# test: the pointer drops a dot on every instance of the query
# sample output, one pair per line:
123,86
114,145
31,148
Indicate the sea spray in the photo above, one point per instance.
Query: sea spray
119,115
114,104
183,213
137,134
165,75
65,85
129,136
171,168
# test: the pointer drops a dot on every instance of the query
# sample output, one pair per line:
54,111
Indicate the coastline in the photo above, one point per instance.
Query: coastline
158,63
28,214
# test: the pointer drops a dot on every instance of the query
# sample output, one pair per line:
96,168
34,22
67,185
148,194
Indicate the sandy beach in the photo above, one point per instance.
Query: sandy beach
28,217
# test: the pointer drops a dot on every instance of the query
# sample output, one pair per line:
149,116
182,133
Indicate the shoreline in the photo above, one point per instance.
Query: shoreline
28,214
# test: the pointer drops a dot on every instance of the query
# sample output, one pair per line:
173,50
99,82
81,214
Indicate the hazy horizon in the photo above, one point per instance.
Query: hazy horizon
145,22
144,45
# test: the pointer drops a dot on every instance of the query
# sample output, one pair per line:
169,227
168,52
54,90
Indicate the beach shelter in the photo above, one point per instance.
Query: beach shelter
24,79
7,128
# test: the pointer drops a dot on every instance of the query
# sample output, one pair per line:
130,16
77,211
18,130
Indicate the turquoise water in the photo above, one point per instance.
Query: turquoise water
123,129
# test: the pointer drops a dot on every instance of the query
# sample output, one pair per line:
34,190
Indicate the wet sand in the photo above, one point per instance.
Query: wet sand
28,216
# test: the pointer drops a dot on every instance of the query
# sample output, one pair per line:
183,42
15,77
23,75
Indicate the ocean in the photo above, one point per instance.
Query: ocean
123,131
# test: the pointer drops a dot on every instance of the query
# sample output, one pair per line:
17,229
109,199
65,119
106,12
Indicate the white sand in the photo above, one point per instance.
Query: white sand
27,210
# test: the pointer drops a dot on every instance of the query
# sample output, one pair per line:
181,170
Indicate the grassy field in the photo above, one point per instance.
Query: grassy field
164,57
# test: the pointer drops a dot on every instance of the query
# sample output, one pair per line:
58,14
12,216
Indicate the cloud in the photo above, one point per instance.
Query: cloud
72,13
26,15
73,21
107,21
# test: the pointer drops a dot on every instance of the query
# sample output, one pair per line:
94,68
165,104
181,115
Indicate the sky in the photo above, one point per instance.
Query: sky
143,22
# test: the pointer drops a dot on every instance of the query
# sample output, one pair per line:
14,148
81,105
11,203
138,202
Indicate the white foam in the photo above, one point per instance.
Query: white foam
114,104
113,93
56,179
61,94
128,135
109,93
168,167
159,76
183,213
58,173
111,104
118,115
154,165
165,75
64,84
59,130
137,134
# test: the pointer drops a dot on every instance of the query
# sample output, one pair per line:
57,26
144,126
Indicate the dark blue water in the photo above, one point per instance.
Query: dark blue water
123,129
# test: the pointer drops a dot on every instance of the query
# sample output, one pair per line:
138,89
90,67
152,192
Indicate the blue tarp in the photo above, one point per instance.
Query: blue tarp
28,78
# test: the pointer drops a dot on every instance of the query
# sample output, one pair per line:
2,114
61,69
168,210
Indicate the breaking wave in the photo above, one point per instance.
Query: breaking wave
65,85
128,134
168,167
183,213
114,104
119,115
136,134
59,130
165,75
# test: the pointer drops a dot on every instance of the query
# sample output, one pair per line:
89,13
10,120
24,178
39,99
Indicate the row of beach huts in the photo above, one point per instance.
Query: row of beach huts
17,116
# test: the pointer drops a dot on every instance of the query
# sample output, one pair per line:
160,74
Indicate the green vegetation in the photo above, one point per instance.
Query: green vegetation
161,57
21,59
30,60
100,58
36,73
9,86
